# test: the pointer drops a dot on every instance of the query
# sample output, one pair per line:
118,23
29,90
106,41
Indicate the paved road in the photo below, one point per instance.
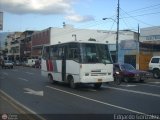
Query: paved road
27,87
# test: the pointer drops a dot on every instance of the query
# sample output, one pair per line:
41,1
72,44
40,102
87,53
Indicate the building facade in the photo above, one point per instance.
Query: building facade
30,43
18,45
149,45
39,39
69,33
3,37
26,45
12,45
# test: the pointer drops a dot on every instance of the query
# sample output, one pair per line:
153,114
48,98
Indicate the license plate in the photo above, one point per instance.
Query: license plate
99,80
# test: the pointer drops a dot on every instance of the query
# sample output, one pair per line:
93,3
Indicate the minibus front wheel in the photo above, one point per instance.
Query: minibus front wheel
97,85
71,82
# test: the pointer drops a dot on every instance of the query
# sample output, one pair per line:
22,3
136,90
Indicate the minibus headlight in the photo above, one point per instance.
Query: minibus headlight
117,73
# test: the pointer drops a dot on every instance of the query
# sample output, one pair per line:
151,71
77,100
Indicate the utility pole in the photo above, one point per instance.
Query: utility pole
138,48
138,33
117,35
117,32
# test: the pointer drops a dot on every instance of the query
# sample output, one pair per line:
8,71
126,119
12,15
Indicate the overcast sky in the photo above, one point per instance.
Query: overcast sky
20,15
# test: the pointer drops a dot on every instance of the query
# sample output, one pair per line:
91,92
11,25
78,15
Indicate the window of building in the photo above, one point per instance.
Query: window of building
153,37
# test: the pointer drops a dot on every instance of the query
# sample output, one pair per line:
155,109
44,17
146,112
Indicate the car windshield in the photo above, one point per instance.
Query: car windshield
95,53
8,61
127,67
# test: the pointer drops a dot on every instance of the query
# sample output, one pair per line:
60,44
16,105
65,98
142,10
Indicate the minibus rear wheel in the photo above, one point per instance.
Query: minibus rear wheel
51,79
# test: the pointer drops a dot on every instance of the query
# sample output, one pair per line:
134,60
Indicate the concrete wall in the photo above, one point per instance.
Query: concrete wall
72,34
68,34
150,34
129,48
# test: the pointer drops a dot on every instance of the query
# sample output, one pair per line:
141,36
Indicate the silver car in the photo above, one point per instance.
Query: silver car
7,64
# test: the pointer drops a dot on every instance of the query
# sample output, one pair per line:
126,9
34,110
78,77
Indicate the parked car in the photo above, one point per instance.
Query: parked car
23,63
126,72
17,63
7,64
154,66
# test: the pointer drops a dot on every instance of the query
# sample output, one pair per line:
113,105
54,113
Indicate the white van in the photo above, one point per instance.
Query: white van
30,62
154,66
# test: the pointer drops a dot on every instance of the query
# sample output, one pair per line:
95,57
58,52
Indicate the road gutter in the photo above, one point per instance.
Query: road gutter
25,111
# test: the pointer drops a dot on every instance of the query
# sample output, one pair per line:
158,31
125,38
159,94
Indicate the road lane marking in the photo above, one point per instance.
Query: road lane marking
5,73
145,84
23,79
154,82
92,90
21,105
15,70
33,92
104,103
97,101
29,73
1,78
151,85
133,85
128,85
133,91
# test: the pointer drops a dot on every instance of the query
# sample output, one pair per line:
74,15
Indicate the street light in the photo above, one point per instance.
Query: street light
109,18
117,35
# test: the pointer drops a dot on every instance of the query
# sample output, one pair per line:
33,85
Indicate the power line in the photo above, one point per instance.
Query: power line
148,8
144,8
109,30
143,15
125,23
135,18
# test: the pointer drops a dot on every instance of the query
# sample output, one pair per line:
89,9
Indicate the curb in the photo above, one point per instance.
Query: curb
24,112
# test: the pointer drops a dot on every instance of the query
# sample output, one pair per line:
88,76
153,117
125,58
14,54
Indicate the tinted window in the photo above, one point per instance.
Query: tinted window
127,67
46,53
73,52
155,60
61,52
54,52
116,68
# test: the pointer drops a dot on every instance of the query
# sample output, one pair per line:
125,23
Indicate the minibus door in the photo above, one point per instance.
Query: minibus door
63,63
